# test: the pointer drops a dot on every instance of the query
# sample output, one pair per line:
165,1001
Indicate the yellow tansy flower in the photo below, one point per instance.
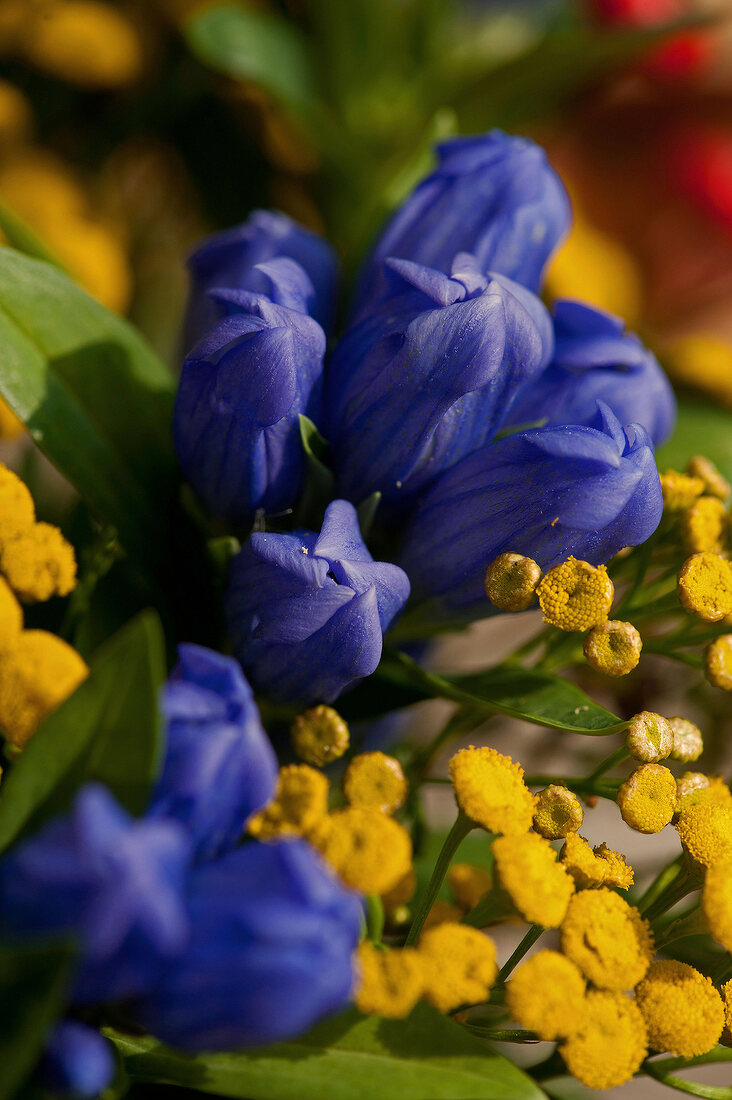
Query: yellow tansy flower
459,965
684,1013
17,510
718,662
11,616
11,426
369,850
705,830
649,737
390,982
607,938
680,490
299,805
701,467
319,735
557,812
610,1044
727,995
442,912
694,788
613,648
511,580
538,885
469,884
546,994
39,563
688,741
37,674
618,872
704,526
705,586
717,900
647,798
575,595
377,780
401,892
490,789
85,43
595,867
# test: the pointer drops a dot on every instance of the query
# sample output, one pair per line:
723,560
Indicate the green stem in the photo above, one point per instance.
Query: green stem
463,825
374,918
693,660
462,721
608,789
664,877
503,1035
609,763
693,923
681,885
527,942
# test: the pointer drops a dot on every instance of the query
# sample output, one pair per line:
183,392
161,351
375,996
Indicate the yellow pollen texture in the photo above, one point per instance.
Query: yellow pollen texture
683,1012
17,510
469,884
39,563
490,789
368,849
390,983
610,1044
647,798
37,674
300,804
704,526
701,467
546,995
11,616
539,886
377,780
727,994
705,586
319,735
595,867
557,812
607,938
575,595
510,582
718,662
717,900
705,830
680,490
459,965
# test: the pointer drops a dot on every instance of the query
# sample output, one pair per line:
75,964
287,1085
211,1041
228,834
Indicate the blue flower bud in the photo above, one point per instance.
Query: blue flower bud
114,883
596,359
548,493
414,388
270,953
307,611
231,258
219,765
241,391
493,195
77,1062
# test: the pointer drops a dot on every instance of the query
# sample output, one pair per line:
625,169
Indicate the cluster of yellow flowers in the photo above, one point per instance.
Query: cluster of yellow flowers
38,670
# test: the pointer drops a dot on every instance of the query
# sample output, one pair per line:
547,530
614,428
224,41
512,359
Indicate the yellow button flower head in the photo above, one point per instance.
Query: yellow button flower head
510,582
595,867
607,938
17,510
576,595
546,995
15,124
459,965
700,467
613,648
718,662
374,779
299,805
368,849
86,43
11,616
11,426
469,884
610,1044
390,982
319,735
401,892
649,737
688,741
39,563
705,830
618,872
557,812
442,912
704,526
684,1013
490,789
705,586
680,490
694,788
37,674
647,798
528,870
717,900
727,995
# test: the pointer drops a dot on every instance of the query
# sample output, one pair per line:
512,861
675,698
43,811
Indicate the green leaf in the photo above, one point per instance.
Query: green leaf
538,697
426,1057
109,730
255,45
21,236
319,487
701,428
33,984
94,396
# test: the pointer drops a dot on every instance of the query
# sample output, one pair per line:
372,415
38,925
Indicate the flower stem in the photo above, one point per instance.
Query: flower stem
664,877
690,924
608,764
462,826
682,884
527,942
375,918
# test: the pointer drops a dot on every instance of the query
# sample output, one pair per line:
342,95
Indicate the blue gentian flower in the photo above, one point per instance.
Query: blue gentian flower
307,611
596,359
219,765
270,953
241,391
77,1062
234,257
414,388
549,493
493,195
113,883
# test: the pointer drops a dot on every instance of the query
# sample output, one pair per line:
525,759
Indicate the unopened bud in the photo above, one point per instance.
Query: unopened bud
714,483
319,735
557,812
376,780
688,741
718,662
704,526
613,647
688,784
649,737
511,580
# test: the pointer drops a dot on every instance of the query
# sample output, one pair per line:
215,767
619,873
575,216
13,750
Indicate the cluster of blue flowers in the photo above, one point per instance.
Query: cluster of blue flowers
484,422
